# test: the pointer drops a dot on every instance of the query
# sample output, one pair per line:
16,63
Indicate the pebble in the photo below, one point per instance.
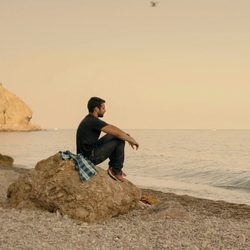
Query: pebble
242,238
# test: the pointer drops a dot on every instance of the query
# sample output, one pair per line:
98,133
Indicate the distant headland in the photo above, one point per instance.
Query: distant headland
15,115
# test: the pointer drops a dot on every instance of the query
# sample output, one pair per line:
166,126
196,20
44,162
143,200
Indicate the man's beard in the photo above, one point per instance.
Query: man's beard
100,115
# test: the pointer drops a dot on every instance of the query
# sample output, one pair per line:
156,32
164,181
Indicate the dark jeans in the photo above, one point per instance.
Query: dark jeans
110,147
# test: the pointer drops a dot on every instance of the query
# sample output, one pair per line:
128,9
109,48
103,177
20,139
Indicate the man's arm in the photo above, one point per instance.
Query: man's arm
112,130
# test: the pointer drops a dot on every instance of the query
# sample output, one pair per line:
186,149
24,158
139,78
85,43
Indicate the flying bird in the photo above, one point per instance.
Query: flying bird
153,3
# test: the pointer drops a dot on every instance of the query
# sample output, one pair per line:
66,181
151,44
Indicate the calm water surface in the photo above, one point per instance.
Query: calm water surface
201,163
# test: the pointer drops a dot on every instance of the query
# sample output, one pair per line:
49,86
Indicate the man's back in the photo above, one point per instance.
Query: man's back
88,133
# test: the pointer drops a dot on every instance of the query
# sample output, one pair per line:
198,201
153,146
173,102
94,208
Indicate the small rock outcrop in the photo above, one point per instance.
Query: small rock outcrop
6,161
15,115
55,185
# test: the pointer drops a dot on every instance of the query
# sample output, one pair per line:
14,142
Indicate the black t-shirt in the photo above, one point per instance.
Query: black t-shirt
87,134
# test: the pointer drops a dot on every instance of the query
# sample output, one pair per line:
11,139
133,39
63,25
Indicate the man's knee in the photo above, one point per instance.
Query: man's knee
119,141
109,137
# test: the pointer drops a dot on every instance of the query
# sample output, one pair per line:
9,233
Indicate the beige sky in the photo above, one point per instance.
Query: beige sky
183,64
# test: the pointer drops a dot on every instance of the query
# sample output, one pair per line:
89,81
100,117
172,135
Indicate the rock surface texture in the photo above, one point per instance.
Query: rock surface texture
54,185
6,161
15,115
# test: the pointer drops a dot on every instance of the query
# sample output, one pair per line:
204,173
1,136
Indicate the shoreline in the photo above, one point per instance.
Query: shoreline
22,169
177,222
179,188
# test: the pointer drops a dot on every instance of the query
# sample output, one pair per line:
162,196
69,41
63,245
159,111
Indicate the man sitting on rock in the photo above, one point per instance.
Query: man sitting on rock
109,146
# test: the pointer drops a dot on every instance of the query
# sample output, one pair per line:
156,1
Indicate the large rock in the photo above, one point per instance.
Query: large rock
15,115
54,185
6,161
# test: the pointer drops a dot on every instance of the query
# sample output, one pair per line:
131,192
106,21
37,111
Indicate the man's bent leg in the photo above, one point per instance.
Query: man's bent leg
117,157
109,147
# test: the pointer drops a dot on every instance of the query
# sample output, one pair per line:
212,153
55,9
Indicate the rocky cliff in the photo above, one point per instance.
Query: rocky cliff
15,115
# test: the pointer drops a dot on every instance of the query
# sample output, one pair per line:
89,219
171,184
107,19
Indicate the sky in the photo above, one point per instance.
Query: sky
183,64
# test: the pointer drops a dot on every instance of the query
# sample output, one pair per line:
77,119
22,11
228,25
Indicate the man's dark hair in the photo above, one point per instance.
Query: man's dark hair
94,102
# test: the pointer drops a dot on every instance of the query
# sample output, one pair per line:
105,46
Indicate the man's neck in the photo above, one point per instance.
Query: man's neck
94,114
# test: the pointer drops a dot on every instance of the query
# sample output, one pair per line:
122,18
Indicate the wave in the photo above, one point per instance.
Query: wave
214,177
241,184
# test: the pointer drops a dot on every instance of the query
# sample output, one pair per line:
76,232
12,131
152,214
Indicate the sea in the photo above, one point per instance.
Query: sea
211,164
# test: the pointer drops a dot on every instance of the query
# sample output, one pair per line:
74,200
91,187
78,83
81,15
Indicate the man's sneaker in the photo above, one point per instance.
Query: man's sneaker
117,177
120,177
111,174
123,174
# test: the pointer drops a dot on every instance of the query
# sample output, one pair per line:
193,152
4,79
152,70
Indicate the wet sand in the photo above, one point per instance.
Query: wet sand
177,222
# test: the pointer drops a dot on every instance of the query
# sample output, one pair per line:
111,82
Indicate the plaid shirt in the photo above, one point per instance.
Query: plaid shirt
85,168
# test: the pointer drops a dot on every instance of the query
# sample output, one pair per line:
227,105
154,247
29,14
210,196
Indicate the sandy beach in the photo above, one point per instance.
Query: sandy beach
177,222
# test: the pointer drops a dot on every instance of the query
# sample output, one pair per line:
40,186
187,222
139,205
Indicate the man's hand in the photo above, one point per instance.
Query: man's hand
134,146
134,143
